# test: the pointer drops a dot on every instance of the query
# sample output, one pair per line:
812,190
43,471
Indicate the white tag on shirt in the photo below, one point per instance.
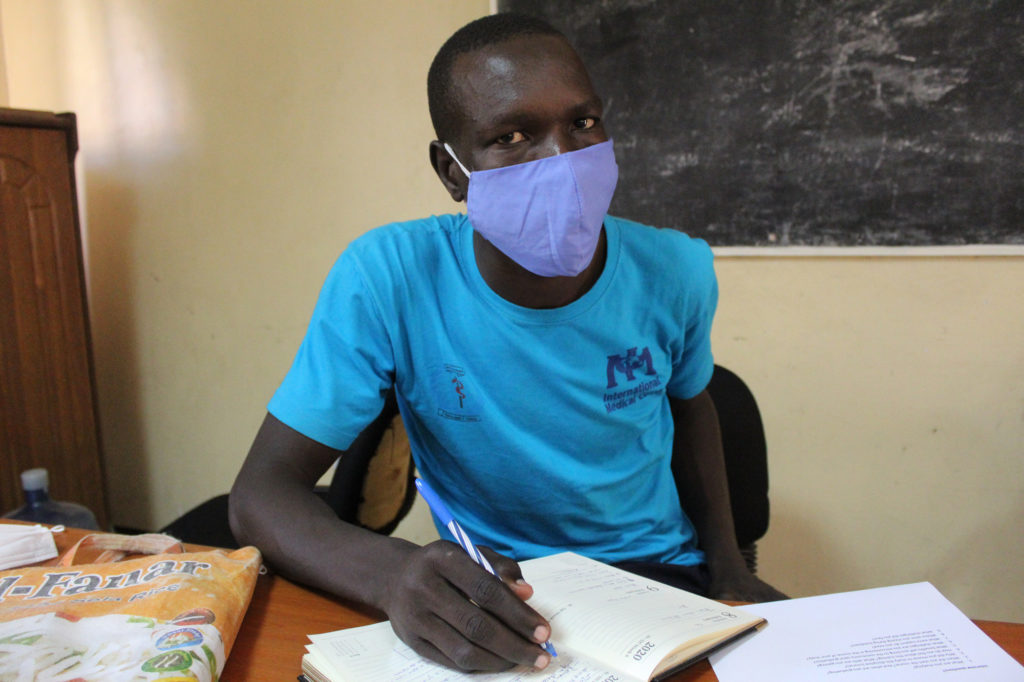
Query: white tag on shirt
23,545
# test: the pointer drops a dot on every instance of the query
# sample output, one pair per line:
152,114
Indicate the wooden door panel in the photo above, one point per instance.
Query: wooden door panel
46,387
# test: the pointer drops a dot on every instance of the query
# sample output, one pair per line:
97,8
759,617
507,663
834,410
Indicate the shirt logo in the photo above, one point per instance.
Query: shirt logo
455,396
628,364
632,366
459,386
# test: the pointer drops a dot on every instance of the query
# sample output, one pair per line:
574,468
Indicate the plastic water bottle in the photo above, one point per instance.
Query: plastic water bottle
39,508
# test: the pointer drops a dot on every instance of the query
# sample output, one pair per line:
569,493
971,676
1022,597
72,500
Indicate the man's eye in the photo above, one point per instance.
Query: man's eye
585,123
511,138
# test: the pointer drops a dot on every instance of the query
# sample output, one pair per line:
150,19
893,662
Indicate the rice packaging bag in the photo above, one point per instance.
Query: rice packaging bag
169,615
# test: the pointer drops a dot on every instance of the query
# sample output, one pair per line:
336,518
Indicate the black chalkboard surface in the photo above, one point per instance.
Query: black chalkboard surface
811,122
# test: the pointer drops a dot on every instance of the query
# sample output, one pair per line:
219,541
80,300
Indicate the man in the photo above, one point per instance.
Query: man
547,361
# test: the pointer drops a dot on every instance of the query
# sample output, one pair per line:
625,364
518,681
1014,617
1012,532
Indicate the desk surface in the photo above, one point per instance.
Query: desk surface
273,635
272,639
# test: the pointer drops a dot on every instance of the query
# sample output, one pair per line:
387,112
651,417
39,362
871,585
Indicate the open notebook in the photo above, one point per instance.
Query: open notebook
607,624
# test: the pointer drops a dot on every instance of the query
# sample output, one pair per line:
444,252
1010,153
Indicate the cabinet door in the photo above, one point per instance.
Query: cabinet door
47,398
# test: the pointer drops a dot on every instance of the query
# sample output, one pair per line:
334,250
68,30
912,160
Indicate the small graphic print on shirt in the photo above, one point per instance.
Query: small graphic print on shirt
454,399
630,367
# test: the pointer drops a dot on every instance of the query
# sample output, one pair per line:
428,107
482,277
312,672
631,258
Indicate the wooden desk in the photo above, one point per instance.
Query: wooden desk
272,639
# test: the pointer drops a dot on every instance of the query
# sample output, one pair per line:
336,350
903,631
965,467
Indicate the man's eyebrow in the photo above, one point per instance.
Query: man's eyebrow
590,105
511,117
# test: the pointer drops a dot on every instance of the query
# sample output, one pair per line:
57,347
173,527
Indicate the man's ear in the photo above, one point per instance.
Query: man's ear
451,176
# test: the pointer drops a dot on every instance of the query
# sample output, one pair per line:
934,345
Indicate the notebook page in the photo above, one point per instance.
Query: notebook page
620,620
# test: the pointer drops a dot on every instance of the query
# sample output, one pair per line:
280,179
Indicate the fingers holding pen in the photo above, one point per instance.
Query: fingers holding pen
453,651
501,620
478,641
448,609
509,572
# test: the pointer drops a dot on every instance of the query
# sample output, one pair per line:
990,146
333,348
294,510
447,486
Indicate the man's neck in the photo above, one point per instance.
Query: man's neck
518,285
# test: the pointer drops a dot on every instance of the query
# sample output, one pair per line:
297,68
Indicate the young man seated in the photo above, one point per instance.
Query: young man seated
548,360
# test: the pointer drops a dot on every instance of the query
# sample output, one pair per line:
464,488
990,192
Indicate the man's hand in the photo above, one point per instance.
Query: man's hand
452,611
741,585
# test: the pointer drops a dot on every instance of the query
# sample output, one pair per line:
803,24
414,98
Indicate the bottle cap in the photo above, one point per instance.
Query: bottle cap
35,479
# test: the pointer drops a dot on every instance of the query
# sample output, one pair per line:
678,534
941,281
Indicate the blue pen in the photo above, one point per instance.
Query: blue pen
446,518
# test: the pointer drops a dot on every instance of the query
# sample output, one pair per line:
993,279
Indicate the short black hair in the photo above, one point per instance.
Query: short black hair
483,32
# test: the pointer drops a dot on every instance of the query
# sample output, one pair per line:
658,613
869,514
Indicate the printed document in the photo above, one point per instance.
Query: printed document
905,633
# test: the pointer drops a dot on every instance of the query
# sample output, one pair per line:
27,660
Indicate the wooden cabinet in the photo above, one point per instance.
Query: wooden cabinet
48,414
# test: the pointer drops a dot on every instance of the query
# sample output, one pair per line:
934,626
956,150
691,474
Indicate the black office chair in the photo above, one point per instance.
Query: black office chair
746,459
373,483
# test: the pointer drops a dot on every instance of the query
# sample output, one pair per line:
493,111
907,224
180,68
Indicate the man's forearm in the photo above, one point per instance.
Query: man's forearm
274,507
698,465
309,544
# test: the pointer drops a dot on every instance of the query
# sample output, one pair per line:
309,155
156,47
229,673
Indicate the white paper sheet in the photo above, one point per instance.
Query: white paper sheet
905,633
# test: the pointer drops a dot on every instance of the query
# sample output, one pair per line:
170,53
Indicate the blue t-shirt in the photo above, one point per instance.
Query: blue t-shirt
542,430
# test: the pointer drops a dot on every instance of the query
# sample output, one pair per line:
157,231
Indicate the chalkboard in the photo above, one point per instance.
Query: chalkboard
810,122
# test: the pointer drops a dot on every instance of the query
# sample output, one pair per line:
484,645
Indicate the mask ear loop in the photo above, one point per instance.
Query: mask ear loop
451,151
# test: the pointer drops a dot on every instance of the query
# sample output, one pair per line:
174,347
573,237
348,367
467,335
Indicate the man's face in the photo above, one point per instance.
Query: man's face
524,99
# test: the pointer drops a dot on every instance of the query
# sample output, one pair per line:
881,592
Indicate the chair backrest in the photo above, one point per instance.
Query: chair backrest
372,485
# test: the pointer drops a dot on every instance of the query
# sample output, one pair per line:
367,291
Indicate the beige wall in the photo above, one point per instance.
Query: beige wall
230,150
3,67
892,391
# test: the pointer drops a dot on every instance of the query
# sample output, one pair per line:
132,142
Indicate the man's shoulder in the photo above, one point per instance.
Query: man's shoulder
408,235
661,246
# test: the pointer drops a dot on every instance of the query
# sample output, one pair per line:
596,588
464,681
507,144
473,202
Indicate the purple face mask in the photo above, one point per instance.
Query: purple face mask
546,214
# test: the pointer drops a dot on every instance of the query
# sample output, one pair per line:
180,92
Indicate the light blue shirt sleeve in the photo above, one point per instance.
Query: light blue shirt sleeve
692,360
344,367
